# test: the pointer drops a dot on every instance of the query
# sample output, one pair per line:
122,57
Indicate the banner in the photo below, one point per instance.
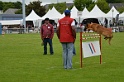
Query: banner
91,48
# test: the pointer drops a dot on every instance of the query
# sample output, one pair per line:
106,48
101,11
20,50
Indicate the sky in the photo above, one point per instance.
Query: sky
43,1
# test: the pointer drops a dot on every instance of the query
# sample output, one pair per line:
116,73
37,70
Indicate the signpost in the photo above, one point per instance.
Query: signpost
89,48
79,14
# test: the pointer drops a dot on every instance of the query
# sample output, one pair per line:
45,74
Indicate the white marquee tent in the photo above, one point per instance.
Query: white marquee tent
85,12
32,16
121,16
10,22
112,13
74,12
52,14
96,13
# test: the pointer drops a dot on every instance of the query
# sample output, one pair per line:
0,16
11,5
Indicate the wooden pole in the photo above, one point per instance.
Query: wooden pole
81,48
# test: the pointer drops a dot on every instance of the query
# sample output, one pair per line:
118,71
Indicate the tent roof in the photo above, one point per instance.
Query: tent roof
33,16
112,13
85,12
96,13
74,11
52,14
121,15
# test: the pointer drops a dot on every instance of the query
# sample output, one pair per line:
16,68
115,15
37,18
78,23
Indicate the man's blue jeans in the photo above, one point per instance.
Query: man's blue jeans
48,40
74,51
67,55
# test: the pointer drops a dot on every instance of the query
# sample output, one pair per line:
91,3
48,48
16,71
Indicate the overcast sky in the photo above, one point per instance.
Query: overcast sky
43,1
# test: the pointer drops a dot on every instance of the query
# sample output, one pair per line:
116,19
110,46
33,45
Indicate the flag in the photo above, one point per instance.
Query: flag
91,48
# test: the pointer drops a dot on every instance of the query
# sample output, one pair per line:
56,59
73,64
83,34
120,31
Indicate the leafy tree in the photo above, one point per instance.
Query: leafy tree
80,4
60,7
105,8
70,7
17,5
1,5
90,7
19,11
121,9
35,5
7,5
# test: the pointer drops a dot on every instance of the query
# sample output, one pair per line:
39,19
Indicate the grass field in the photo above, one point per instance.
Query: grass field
22,60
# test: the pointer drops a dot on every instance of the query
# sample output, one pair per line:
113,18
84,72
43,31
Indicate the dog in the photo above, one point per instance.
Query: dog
106,32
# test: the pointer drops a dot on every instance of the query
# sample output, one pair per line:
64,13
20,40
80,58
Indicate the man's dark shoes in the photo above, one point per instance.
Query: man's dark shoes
44,54
51,53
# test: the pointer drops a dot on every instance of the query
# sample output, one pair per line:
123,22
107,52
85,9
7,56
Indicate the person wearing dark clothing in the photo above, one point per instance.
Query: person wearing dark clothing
47,33
106,22
21,29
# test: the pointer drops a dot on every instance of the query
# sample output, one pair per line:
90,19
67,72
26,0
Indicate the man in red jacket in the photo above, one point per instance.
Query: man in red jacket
47,33
67,35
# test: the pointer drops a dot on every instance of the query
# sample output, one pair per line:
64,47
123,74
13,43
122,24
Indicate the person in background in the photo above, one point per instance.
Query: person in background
67,35
110,23
106,22
47,33
5,29
74,50
21,29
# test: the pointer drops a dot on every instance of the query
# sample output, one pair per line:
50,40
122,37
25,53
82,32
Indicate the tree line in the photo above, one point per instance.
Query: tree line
35,5
41,10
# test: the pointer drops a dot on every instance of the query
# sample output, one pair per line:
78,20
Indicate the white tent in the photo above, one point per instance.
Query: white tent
10,22
52,14
96,13
112,13
85,12
46,15
42,18
121,15
74,12
32,16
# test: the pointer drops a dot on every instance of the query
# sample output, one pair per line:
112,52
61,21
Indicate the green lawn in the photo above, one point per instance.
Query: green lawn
22,60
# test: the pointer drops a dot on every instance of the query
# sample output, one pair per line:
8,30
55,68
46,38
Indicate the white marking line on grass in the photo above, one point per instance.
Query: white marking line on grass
50,68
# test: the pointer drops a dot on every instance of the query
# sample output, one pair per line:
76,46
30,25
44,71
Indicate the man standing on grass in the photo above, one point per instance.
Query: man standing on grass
67,35
47,33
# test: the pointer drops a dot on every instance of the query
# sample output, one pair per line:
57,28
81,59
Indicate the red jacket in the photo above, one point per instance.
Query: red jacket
65,30
47,31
